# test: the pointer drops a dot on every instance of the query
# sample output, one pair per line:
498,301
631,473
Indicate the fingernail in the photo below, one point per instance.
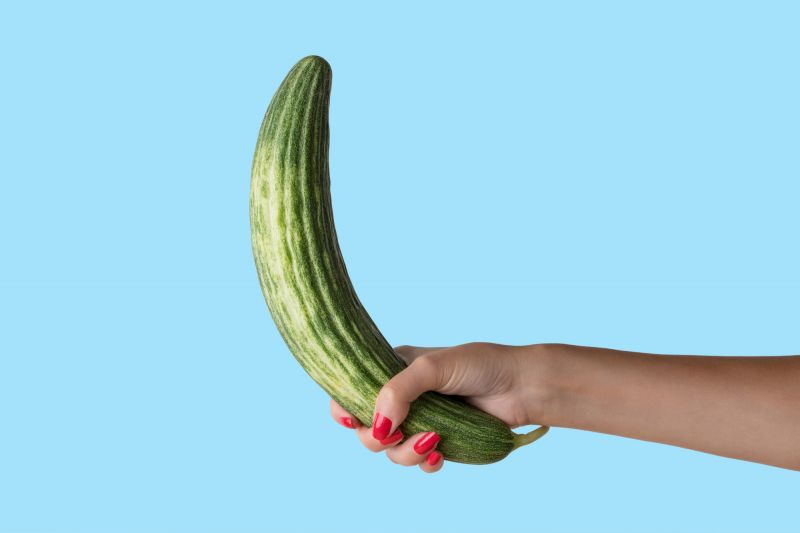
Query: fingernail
381,427
426,442
433,458
391,439
347,422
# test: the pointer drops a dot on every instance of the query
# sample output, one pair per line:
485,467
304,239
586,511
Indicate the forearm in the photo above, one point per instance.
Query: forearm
742,407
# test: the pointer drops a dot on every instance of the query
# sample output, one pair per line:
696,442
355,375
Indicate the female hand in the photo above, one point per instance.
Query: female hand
493,377
742,407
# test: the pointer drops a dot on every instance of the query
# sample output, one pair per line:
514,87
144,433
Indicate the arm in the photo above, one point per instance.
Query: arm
741,407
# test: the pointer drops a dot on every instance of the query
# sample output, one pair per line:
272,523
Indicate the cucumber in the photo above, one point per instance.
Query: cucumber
307,288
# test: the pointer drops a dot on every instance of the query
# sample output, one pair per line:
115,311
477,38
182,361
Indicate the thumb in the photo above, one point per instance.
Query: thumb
424,373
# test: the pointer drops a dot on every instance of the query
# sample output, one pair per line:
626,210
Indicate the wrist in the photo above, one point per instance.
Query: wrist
541,382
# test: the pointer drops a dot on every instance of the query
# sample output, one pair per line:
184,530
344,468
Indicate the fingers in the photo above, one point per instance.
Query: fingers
394,399
365,436
391,408
343,417
433,463
415,450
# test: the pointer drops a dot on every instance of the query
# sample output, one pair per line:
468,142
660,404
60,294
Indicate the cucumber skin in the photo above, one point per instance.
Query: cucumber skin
306,285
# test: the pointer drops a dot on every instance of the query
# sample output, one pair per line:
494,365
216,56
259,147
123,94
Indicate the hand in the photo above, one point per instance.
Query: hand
741,407
496,378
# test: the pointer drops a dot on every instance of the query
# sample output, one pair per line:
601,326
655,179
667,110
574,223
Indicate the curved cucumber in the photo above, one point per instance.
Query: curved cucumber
306,285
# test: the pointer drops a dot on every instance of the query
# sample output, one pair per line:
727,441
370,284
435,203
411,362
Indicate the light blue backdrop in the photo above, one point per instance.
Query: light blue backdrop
596,173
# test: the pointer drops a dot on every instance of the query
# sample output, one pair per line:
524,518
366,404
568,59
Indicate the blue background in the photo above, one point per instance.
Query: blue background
600,173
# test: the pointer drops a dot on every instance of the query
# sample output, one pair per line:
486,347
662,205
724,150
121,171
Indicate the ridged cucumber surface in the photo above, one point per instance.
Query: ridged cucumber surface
307,288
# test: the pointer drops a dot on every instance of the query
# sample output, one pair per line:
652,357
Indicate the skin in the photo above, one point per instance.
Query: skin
741,407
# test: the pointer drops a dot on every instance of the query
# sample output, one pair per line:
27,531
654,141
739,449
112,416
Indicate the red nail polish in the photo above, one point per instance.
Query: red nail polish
426,443
347,422
433,458
391,439
381,427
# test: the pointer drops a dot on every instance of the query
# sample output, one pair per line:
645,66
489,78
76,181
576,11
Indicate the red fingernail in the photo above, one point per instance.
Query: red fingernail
391,439
433,458
347,422
381,427
426,443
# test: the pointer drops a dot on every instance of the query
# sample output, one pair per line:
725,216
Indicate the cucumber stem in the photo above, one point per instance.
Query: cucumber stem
532,436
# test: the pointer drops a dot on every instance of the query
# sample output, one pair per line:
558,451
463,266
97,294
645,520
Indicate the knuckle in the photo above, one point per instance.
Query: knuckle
366,439
425,364
389,392
374,447
477,346
396,456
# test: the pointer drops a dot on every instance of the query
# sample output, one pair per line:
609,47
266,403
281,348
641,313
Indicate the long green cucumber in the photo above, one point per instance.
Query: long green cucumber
306,286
